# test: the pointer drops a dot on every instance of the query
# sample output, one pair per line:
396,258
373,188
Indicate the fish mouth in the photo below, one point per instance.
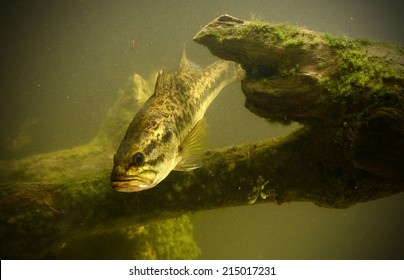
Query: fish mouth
131,184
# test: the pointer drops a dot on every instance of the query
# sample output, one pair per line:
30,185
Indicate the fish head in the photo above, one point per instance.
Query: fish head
142,166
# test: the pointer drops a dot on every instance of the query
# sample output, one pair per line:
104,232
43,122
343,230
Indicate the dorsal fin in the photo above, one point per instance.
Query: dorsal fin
184,60
186,63
164,77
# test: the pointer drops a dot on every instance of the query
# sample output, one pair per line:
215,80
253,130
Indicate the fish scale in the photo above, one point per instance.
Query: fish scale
168,131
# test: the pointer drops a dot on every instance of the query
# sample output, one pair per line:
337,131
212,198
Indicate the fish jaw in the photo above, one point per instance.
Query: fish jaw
130,186
124,183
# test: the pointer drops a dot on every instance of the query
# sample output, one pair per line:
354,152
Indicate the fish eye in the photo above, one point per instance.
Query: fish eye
138,159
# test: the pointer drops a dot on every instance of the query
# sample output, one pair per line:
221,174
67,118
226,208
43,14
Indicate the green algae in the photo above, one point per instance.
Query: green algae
358,71
272,34
169,239
261,192
365,81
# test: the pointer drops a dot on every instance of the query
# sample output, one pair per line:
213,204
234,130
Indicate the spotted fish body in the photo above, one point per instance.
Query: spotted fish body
167,133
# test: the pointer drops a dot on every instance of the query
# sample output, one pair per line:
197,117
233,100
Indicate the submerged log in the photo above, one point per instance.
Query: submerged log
349,91
349,150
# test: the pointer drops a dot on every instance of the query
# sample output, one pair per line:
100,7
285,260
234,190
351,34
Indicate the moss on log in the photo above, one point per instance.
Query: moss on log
305,76
349,91
349,150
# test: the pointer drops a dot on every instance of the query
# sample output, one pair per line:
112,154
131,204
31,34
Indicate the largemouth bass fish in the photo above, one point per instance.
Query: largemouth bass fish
168,132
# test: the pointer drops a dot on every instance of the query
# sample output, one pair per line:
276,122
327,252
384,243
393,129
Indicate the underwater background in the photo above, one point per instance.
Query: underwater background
63,63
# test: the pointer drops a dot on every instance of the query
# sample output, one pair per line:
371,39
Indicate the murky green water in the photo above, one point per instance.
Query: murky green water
64,61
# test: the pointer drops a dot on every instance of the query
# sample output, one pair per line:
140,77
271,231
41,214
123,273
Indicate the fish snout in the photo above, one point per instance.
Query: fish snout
116,173
121,181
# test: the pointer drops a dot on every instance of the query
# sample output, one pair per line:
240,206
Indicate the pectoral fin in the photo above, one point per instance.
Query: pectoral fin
192,148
